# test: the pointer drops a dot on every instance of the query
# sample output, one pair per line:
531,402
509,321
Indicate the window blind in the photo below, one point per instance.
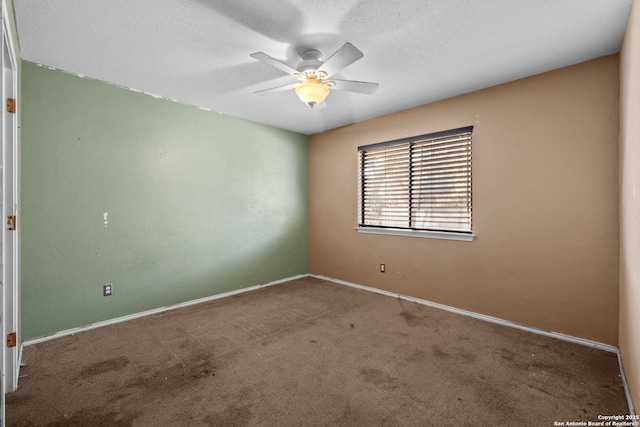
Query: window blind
418,183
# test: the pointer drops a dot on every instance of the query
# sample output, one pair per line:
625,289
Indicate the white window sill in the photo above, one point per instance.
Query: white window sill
415,233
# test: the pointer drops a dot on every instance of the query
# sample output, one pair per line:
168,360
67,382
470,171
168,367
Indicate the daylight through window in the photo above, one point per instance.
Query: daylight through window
417,183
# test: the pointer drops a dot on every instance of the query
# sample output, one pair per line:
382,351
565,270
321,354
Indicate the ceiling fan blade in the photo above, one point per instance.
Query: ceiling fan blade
346,55
365,88
276,89
269,60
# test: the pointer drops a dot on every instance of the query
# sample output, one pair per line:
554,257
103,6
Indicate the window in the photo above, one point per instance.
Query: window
417,185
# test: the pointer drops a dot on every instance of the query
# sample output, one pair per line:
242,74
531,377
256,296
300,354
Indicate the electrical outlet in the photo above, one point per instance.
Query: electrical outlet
382,268
107,290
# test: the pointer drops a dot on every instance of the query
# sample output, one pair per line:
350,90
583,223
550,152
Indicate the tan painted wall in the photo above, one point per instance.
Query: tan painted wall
545,162
629,340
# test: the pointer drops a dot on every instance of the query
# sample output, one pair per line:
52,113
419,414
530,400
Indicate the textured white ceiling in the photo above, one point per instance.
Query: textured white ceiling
419,51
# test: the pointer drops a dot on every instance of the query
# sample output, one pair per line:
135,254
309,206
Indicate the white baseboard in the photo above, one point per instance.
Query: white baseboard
557,335
626,385
155,311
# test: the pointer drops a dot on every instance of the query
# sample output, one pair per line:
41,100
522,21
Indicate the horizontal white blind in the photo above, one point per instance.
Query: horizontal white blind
420,183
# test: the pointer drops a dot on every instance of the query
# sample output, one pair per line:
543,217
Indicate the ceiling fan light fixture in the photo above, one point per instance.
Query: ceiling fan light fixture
313,75
312,92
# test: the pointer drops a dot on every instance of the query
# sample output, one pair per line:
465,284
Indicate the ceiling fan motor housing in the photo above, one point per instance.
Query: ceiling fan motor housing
311,60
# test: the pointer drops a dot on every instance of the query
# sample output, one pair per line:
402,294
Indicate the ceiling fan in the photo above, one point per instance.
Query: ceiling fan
313,74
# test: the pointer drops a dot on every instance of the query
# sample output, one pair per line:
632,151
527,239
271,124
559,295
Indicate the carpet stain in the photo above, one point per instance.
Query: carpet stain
162,380
174,377
411,319
540,389
16,399
377,377
469,357
93,417
417,355
234,414
507,354
119,397
105,366
439,353
464,357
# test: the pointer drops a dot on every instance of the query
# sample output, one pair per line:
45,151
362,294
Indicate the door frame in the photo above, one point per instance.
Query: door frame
9,305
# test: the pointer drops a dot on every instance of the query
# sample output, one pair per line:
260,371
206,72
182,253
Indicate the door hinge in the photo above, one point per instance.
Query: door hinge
11,340
11,222
11,105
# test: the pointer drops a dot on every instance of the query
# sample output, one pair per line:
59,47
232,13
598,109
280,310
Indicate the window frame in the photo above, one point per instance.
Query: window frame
462,235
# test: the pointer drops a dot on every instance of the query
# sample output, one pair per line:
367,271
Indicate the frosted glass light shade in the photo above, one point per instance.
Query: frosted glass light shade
312,92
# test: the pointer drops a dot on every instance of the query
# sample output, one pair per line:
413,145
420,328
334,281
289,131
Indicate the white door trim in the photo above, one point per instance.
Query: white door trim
10,356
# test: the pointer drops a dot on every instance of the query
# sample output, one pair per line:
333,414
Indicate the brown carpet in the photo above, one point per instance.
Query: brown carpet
312,353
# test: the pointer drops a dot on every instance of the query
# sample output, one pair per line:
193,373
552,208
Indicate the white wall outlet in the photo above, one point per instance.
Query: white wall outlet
382,268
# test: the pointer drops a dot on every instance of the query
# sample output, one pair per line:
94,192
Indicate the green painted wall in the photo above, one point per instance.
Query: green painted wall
197,203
